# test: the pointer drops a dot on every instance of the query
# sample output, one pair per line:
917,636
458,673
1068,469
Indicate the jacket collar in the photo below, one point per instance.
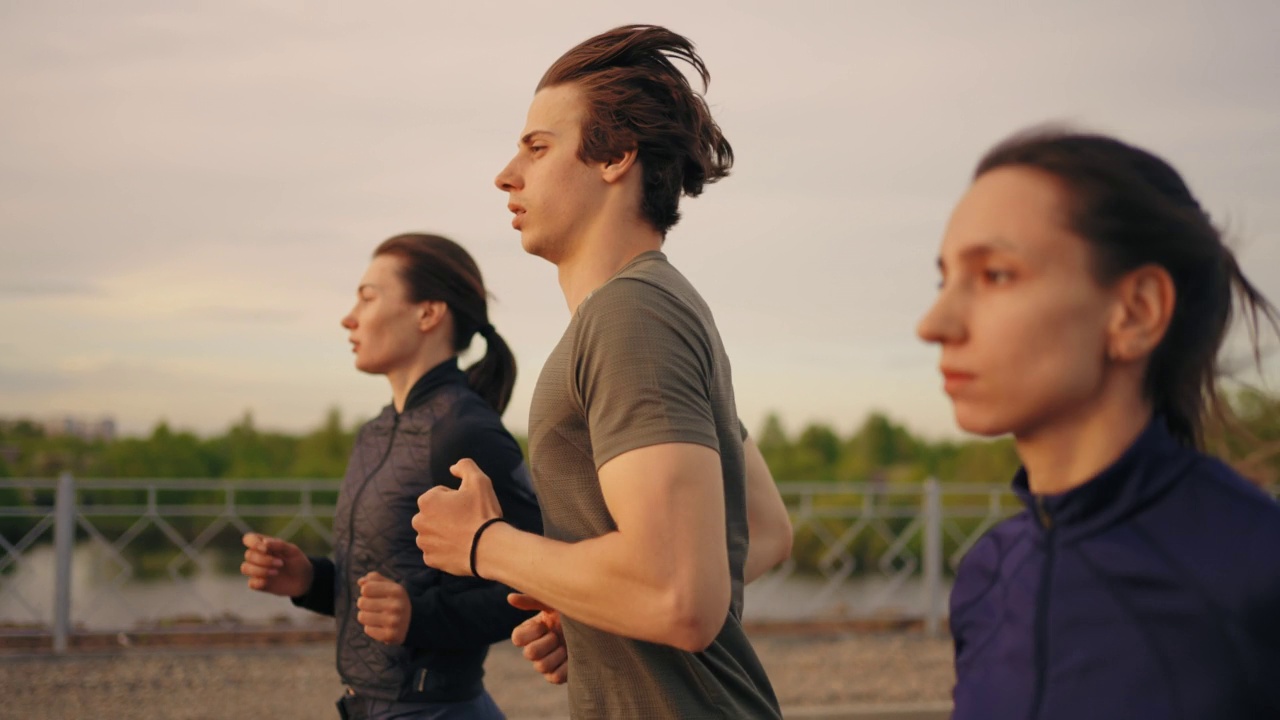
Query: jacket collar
1149,467
446,373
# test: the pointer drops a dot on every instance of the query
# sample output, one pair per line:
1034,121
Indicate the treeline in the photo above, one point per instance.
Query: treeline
880,450
883,451
243,451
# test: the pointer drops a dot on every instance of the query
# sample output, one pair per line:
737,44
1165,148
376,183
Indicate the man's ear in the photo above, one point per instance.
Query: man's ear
1145,300
616,169
431,313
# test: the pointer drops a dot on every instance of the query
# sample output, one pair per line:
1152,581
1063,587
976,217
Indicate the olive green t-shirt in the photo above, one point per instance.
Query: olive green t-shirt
641,364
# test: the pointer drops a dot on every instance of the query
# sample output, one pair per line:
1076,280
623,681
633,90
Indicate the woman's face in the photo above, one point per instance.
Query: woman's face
384,327
1021,321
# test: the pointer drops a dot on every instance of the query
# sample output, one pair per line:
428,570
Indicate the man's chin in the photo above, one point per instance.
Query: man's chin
536,247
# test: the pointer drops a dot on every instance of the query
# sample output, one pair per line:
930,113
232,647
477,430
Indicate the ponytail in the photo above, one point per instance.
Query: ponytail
493,376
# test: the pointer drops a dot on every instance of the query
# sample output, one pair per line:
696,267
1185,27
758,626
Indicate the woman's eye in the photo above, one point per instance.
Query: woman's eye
997,277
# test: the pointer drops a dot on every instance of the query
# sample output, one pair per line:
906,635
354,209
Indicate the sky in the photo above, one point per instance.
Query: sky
189,192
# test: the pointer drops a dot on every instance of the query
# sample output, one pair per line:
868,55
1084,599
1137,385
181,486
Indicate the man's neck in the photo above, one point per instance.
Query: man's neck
600,256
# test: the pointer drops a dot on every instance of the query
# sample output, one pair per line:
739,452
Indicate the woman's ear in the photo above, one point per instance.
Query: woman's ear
431,313
1145,300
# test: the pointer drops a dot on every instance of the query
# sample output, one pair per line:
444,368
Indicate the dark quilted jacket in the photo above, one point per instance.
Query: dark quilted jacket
396,458
1152,592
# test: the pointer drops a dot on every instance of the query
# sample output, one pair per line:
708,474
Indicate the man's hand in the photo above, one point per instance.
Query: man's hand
275,566
542,638
447,519
384,609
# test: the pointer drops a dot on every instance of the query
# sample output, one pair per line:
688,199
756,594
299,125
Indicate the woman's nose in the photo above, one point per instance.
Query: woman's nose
941,323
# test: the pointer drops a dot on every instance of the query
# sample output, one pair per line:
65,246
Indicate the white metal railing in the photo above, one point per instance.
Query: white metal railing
195,521
152,549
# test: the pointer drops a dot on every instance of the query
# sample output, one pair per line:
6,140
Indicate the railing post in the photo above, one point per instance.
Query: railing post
64,533
932,556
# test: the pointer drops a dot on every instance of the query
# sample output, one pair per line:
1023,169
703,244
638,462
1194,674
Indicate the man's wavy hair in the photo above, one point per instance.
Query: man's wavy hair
637,99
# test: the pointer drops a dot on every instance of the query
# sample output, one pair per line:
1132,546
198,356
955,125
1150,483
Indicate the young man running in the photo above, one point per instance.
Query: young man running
648,489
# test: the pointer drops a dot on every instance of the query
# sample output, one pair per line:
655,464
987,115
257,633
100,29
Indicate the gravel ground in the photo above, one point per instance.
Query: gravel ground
287,683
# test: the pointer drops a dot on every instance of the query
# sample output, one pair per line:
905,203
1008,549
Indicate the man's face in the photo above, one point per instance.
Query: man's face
553,194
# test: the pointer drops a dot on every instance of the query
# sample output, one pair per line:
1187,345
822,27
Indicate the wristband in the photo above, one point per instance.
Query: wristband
475,540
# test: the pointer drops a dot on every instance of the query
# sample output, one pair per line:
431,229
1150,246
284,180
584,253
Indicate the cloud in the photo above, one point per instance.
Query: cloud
23,289
244,315
198,186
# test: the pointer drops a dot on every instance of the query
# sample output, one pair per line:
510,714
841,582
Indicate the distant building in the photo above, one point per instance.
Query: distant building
103,428
100,429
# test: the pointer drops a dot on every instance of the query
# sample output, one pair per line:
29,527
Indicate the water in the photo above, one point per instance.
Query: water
798,597
103,601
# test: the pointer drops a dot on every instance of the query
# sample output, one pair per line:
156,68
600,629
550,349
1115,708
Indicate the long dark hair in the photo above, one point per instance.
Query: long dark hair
436,268
637,99
1134,209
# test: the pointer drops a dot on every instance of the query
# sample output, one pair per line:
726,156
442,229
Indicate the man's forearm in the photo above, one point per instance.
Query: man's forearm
608,584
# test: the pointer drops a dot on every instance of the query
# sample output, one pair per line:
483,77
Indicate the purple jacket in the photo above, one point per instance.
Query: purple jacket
1150,592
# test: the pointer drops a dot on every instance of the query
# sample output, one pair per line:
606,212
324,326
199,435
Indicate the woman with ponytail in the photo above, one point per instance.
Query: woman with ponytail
412,640
1084,298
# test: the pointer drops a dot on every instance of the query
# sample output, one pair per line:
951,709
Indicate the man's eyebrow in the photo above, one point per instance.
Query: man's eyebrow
529,136
989,246
982,249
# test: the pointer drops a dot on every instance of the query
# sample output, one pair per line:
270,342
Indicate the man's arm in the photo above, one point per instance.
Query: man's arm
662,576
771,538
768,525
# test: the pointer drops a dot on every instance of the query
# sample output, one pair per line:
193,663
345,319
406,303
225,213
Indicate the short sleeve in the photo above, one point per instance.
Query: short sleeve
643,371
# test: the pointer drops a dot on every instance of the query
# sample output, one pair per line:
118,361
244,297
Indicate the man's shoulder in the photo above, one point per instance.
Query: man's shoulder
650,282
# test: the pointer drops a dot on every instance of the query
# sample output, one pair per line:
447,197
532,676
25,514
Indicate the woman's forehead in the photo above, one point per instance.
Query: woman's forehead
1012,209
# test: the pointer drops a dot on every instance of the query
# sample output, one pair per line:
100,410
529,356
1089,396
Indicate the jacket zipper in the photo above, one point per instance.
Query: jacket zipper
1042,610
351,520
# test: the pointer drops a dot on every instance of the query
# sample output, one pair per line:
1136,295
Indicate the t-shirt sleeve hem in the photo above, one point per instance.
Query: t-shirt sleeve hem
638,440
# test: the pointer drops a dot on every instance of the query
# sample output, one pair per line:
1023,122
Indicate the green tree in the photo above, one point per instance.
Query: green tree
814,454
165,454
775,447
879,449
323,453
245,452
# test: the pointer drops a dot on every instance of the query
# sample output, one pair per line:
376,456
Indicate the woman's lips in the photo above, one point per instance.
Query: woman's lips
955,380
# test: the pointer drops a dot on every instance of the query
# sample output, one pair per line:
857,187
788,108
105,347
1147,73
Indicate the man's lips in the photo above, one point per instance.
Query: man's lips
518,211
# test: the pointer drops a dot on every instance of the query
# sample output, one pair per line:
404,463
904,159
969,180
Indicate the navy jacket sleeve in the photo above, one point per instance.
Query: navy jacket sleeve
462,612
319,597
